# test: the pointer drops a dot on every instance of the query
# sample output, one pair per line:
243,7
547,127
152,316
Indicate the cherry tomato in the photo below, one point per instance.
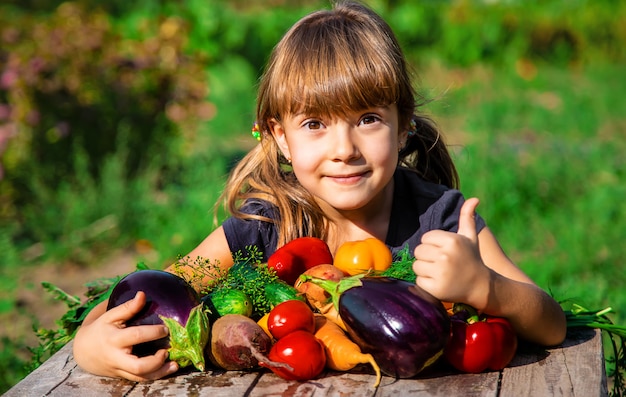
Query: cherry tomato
302,351
290,316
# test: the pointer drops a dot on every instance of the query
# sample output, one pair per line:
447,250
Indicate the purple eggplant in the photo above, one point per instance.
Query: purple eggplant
402,326
170,300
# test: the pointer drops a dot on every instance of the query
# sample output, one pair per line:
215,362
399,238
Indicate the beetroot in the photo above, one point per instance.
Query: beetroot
170,300
237,343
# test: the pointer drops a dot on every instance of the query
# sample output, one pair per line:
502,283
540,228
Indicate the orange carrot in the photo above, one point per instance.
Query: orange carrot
330,312
342,354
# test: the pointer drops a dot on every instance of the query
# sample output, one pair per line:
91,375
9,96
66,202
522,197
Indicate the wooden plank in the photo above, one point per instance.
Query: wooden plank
60,376
329,384
199,384
433,382
466,385
84,384
574,369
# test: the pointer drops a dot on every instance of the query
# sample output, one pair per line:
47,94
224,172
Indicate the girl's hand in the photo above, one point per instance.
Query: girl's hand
449,266
104,346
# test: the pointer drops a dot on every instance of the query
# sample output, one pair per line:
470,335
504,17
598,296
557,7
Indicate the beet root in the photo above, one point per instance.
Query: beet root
237,343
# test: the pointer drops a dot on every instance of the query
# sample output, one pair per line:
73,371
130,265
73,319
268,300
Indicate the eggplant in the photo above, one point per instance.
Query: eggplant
170,300
402,326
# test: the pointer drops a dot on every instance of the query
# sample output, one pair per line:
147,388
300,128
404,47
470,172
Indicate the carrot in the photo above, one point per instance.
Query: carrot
330,312
342,354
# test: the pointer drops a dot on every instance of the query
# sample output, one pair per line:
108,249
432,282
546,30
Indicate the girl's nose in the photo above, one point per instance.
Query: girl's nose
344,147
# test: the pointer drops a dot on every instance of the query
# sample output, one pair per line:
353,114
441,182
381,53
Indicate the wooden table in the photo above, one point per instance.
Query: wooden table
575,368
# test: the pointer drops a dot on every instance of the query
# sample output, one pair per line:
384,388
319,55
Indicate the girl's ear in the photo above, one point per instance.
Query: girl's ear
402,138
278,132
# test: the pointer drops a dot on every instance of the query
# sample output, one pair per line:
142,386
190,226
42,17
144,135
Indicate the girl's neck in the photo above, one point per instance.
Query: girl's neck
371,221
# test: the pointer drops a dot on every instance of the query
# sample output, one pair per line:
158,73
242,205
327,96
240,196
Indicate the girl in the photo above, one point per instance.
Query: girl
342,156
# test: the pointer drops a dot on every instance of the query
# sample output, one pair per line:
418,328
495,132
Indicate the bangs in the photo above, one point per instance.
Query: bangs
334,68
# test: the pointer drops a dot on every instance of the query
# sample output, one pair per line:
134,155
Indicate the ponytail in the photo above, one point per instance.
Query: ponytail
426,153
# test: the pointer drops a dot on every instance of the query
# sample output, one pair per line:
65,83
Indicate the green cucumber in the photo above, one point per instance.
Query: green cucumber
278,292
228,301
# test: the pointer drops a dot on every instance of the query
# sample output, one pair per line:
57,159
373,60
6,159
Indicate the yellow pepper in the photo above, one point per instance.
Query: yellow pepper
263,324
356,257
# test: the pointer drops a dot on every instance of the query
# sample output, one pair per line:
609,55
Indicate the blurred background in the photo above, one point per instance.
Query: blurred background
120,120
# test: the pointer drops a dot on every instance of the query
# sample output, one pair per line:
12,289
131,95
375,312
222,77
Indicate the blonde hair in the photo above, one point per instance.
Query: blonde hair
329,63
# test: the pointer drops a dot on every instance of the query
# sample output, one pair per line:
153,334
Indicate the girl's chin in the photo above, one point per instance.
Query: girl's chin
342,204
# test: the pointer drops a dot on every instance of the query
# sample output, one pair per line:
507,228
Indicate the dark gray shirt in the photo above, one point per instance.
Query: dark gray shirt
418,207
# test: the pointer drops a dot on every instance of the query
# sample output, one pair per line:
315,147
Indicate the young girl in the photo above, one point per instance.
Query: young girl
343,156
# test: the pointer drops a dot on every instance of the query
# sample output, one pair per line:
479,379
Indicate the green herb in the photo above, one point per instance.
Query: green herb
402,266
51,340
247,274
578,316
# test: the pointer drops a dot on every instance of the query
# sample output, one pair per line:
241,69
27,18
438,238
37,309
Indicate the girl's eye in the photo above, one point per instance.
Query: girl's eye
313,125
369,119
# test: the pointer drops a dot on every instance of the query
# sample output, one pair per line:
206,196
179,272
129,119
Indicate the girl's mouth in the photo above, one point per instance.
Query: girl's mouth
348,179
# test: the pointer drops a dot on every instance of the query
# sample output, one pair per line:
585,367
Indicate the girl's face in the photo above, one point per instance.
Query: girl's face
344,162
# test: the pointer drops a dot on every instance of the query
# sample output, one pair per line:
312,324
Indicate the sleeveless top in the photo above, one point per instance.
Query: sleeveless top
418,207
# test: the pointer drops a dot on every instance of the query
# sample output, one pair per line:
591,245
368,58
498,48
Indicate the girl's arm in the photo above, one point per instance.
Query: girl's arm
473,269
215,249
103,344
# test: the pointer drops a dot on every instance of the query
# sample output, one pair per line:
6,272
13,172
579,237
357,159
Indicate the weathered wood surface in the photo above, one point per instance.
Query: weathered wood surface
574,369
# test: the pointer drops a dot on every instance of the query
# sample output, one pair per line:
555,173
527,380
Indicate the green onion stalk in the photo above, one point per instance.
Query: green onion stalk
578,317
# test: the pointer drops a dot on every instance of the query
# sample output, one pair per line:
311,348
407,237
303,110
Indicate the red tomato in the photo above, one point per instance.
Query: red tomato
290,316
302,351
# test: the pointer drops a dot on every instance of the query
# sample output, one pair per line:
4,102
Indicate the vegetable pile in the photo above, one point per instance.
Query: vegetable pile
360,308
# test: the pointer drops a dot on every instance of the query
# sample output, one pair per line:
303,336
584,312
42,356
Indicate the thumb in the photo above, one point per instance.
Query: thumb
467,223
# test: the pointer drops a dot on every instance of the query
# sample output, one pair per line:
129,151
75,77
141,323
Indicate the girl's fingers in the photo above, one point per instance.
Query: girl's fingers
434,237
140,369
131,336
125,311
423,268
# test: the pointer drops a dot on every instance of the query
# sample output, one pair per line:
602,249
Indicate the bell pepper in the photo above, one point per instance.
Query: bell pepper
361,256
478,343
297,256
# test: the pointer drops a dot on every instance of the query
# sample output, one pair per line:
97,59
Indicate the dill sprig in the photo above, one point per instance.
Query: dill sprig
402,266
247,274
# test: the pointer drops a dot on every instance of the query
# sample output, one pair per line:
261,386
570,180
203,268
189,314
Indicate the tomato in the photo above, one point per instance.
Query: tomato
289,316
355,257
302,351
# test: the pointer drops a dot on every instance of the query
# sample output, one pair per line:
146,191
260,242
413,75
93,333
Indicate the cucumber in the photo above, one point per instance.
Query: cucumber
228,301
278,292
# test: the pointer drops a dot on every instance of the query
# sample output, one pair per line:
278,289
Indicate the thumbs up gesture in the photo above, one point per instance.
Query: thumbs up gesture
448,265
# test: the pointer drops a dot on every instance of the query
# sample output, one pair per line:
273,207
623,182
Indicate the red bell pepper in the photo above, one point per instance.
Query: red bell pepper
297,256
478,343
